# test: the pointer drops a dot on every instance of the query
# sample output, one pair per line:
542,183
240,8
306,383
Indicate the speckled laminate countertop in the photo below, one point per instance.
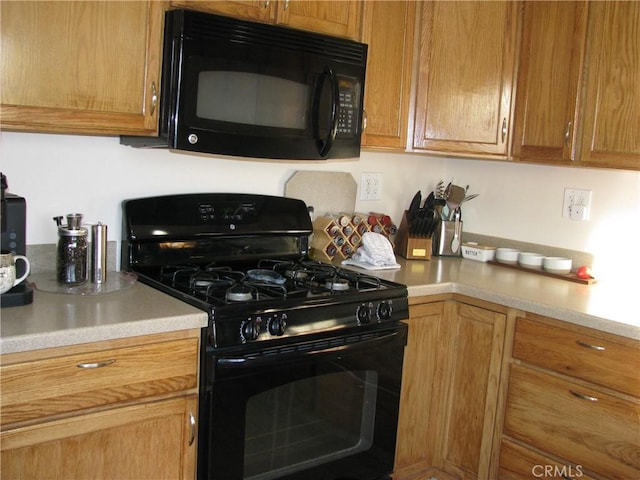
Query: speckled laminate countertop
54,320
606,306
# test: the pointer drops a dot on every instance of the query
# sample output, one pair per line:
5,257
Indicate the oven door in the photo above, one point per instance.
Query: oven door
323,410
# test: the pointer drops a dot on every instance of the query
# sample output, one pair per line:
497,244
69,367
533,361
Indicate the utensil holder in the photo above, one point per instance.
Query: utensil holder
411,248
442,238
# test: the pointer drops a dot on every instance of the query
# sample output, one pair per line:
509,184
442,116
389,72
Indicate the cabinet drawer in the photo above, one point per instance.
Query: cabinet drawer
70,383
585,426
583,355
520,463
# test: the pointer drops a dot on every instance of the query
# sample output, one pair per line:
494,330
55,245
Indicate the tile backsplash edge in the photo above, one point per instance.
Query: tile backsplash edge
43,256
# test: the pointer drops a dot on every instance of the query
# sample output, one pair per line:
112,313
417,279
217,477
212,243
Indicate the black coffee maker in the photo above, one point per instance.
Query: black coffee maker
13,218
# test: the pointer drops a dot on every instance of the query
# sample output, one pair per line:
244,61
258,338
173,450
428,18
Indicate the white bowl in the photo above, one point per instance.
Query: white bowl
530,260
559,265
507,255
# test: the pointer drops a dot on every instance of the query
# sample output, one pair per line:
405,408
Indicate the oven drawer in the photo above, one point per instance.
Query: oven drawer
58,385
583,425
583,355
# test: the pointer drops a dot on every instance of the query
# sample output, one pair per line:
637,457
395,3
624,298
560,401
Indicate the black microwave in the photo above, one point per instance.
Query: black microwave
241,88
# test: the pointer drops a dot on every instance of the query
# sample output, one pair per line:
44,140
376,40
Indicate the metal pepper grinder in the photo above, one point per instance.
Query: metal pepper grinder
72,262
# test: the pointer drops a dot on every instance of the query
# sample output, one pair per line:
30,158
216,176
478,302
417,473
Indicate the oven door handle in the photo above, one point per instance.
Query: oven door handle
259,360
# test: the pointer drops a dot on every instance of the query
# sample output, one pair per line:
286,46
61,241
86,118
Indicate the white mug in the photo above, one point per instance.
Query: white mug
8,278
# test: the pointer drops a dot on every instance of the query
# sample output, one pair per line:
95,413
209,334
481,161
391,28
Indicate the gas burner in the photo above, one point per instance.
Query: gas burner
240,293
337,284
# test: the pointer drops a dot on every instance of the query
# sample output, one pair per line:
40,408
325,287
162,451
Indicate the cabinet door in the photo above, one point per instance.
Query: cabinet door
259,10
520,463
465,77
146,441
337,17
551,55
80,67
388,29
475,344
576,421
418,399
612,96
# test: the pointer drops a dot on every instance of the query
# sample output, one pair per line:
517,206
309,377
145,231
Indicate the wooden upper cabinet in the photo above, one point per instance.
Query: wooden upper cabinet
465,77
80,67
337,17
258,10
388,29
611,135
551,55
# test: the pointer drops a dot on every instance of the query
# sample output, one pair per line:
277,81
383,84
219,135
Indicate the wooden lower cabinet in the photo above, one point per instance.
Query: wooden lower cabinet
420,391
449,392
472,377
586,426
521,463
572,397
118,409
145,441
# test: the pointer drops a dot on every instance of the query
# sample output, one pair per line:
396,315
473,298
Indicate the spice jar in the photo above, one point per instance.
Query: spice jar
72,258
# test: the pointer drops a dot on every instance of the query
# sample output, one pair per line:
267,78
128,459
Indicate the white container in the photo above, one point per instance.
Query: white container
507,255
559,265
480,253
530,260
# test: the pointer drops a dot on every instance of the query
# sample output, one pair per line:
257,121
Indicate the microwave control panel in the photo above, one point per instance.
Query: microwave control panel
349,99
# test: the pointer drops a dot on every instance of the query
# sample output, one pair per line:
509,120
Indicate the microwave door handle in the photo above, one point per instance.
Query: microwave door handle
324,145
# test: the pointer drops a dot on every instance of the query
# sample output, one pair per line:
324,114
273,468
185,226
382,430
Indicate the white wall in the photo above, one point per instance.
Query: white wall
59,174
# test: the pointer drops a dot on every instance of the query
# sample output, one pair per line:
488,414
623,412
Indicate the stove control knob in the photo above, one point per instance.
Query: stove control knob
250,330
363,313
383,311
277,325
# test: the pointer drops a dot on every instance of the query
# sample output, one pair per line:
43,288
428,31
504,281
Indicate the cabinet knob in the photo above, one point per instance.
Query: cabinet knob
192,425
96,364
504,129
588,345
582,396
567,134
154,97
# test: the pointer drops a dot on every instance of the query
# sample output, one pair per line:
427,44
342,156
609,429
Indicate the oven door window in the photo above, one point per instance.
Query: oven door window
305,415
309,422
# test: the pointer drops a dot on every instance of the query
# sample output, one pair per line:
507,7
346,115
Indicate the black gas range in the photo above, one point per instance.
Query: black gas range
285,335
243,258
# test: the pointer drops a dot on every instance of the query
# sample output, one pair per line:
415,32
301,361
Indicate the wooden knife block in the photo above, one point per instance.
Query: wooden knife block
411,248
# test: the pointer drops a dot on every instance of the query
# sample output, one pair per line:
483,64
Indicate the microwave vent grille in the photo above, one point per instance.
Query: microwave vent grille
216,28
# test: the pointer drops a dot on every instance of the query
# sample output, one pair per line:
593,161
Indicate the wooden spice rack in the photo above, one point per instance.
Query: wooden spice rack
571,277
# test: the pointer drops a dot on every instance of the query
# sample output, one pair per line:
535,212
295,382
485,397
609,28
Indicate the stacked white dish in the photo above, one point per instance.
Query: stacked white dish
530,260
507,255
559,265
